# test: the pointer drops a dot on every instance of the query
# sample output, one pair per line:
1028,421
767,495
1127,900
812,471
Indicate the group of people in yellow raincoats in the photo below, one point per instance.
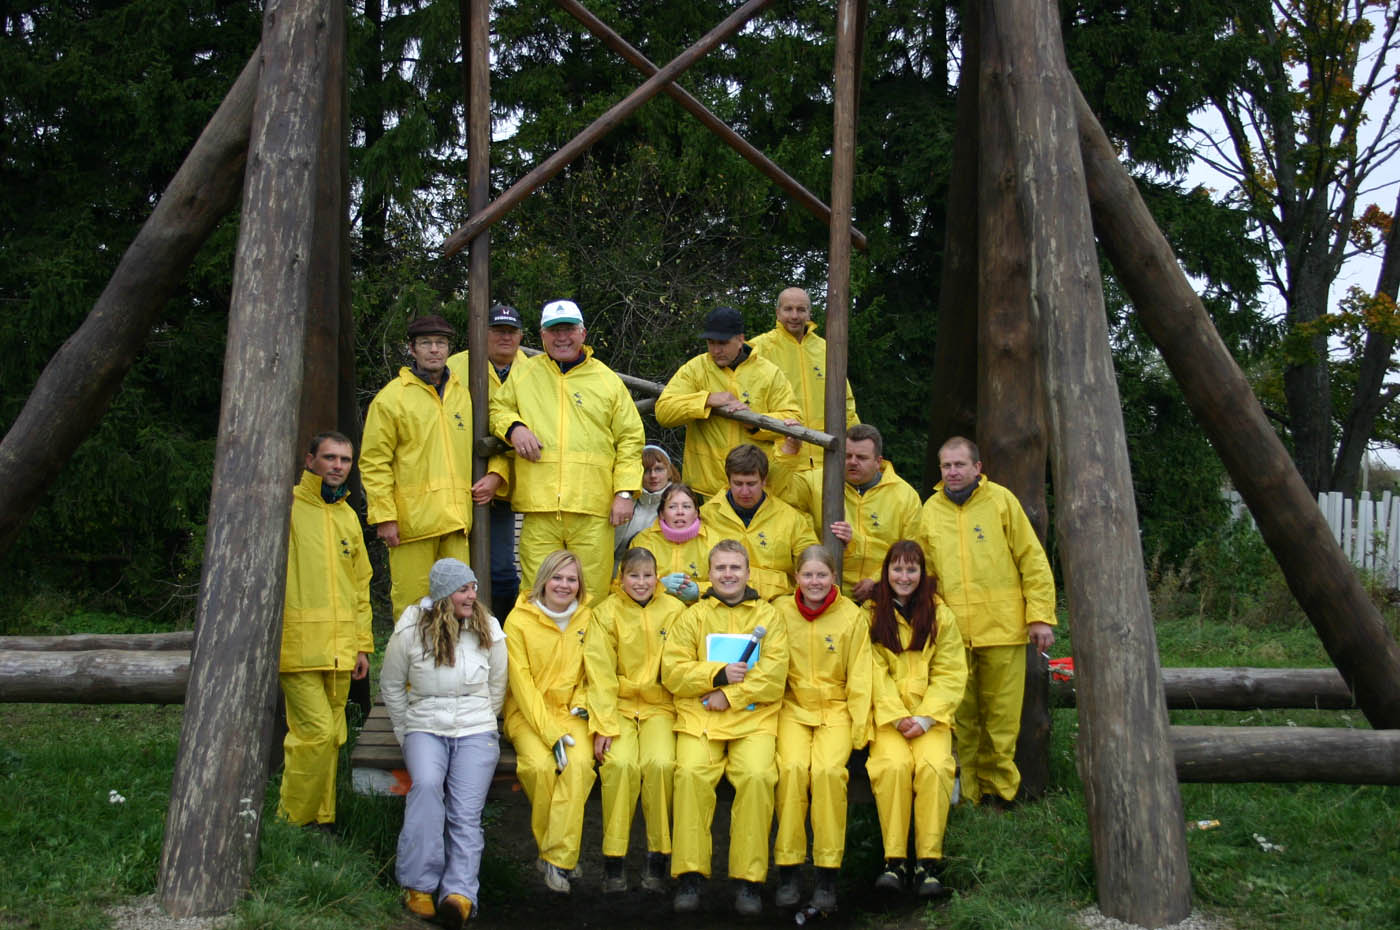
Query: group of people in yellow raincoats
725,644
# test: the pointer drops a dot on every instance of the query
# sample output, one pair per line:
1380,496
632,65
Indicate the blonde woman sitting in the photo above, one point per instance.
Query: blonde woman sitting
546,715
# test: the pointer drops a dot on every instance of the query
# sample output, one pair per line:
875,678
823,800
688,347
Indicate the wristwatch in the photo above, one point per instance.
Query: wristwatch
625,495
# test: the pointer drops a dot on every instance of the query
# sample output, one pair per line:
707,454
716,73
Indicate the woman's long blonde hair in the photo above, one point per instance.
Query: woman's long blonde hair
438,629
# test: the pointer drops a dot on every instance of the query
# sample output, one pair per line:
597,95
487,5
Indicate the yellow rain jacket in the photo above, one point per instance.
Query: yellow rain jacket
416,463
804,364
879,518
775,537
546,670
498,464
927,683
691,557
990,566
590,435
688,674
326,614
829,681
622,656
708,439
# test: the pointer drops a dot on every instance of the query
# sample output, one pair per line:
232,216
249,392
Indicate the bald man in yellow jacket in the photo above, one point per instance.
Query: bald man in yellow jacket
794,346
726,724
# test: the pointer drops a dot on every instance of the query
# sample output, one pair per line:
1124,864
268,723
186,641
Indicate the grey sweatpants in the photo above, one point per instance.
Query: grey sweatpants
441,842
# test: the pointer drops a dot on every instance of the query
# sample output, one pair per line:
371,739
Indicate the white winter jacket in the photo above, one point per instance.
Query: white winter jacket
448,700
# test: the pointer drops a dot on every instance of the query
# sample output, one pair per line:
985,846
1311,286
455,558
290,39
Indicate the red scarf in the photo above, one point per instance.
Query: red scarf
811,614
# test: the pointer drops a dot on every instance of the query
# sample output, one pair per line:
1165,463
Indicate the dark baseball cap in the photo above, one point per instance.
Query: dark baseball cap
723,323
430,325
504,315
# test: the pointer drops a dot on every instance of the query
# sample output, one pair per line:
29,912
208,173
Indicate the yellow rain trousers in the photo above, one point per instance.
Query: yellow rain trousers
994,575
708,439
775,537
879,518
325,624
586,536
916,775
546,683
626,700
738,743
825,714
804,365
989,720
591,441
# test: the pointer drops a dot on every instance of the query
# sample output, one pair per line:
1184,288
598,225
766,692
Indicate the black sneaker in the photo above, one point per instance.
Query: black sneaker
926,883
824,897
687,900
747,901
656,871
892,877
614,875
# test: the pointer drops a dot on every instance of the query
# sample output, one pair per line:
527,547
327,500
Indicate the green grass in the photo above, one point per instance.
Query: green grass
69,852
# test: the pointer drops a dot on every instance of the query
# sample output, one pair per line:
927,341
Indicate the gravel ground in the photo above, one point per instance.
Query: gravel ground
1092,919
144,913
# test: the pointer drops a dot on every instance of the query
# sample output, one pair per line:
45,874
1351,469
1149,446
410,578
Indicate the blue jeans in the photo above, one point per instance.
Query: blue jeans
441,842
505,583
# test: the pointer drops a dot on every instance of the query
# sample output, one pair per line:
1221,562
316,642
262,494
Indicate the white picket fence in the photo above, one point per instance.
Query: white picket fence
1367,530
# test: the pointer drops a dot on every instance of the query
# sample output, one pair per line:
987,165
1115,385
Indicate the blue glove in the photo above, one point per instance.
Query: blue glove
689,592
672,582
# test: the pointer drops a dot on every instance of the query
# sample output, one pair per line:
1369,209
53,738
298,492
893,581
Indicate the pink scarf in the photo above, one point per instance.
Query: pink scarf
685,534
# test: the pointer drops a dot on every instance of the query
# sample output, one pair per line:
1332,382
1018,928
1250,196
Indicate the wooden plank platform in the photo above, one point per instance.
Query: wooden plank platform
377,767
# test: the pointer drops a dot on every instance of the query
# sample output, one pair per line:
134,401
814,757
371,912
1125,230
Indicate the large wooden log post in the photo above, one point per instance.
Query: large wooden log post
838,269
953,405
95,676
78,384
1011,432
1319,575
600,127
1241,689
216,800
1286,754
81,642
1130,789
320,385
476,62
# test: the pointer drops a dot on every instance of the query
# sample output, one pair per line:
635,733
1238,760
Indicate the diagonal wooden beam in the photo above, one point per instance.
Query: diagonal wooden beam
805,198
600,127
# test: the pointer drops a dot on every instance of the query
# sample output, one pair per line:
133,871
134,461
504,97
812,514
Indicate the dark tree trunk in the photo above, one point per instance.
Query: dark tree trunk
78,384
1130,789
1318,574
953,405
1371,393
216,799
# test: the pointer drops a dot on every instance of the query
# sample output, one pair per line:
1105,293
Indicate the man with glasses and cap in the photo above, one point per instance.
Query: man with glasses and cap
727,376
416,462
578,443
